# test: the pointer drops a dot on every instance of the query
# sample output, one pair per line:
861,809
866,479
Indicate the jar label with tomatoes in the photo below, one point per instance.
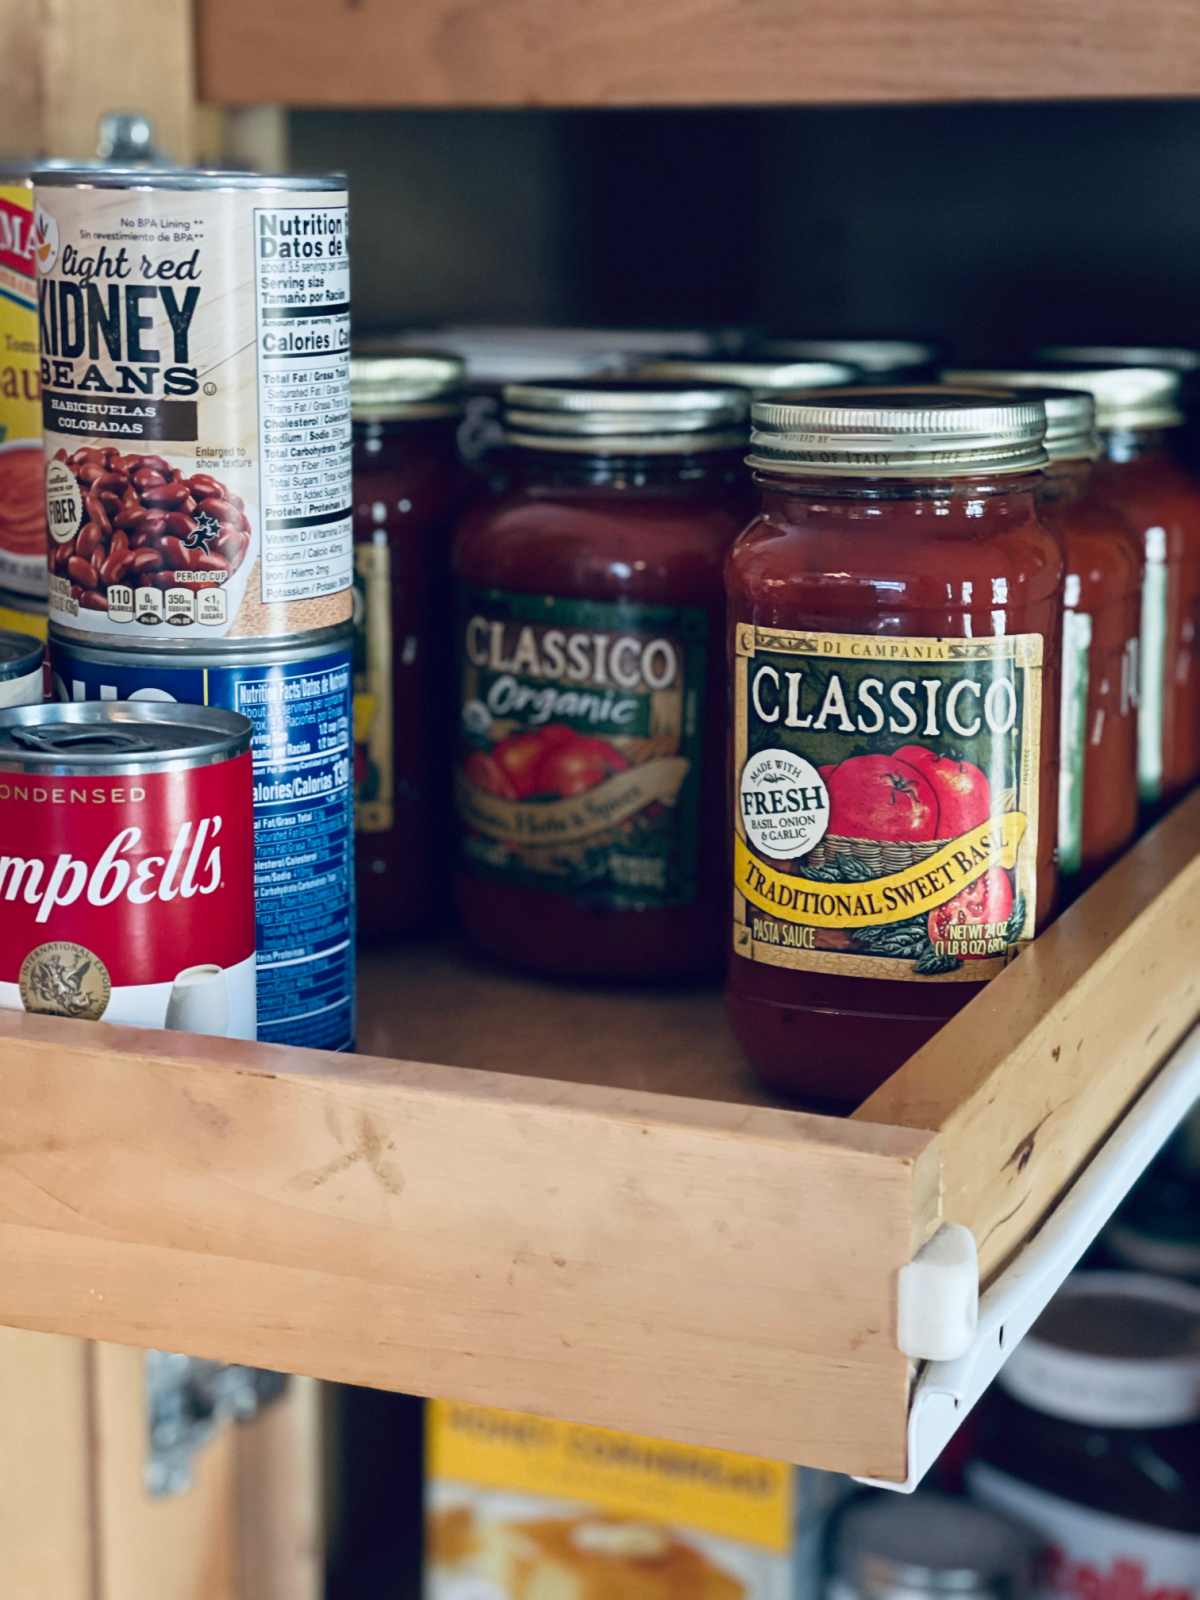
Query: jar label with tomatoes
22,502
887,802
196,410
581,728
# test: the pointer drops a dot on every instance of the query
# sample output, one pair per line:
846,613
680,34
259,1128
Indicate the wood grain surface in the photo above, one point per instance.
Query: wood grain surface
64,63
174,1547
1025,1082
716,1273
46,1507
438,1002
280,1498
691,52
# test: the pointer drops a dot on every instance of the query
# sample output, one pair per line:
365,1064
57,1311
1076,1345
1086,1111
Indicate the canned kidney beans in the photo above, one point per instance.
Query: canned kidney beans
298,699
194,330
127,872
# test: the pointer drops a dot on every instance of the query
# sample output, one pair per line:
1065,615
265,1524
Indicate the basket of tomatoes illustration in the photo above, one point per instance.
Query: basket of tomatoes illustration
889,812
553,762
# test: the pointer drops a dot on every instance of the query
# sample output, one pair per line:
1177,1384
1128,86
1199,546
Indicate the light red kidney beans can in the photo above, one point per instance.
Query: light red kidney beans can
194,335
127,865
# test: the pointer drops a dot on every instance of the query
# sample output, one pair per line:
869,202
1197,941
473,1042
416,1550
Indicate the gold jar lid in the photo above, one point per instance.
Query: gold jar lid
389,385
625,416
760,377
923,431
1070,413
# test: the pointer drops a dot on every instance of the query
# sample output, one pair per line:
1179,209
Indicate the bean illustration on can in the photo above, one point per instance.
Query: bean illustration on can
194,336
132,896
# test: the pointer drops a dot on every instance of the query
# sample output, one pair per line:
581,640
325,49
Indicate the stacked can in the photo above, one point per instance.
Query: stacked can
22,497
194,332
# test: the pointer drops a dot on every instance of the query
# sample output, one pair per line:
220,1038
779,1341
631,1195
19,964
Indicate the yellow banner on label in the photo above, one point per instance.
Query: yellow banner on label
878,901
556,822
714,1491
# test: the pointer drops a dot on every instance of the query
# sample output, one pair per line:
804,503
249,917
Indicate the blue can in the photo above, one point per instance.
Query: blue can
299,699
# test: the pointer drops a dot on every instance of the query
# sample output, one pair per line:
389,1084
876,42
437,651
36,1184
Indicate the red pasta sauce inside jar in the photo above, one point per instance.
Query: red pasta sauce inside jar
590,630
1098,741
895,622
408,490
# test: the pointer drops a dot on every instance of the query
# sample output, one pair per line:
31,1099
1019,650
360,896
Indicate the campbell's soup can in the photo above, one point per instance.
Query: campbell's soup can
195,341
22,478
127,870
299,701
21,679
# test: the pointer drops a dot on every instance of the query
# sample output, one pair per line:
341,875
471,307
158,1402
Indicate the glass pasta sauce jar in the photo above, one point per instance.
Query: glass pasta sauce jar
590,626
1098,745
895,616
408,489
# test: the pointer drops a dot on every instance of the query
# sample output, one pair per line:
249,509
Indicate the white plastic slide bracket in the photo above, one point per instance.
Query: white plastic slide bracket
938,1299
948,1386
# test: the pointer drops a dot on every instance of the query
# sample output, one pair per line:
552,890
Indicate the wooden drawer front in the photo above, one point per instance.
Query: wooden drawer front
704,1269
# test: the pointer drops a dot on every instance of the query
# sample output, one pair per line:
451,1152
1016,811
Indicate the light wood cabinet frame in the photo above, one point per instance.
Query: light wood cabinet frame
691,52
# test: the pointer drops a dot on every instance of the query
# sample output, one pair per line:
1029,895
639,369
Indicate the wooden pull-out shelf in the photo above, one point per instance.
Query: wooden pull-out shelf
693,1264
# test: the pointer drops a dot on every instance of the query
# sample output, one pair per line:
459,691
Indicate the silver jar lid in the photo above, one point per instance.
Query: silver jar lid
897,1547
924,431
387,384
761,377
1070,413
625,416
1122,355
878,358
1128,399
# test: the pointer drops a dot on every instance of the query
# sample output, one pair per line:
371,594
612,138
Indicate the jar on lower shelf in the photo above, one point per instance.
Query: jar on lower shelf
1092,1437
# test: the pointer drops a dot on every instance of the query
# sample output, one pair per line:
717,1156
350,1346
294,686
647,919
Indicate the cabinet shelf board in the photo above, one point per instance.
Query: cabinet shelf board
392,53
588,1210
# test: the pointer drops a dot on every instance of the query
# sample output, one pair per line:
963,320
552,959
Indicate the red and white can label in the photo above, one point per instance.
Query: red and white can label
132,897
1094,1555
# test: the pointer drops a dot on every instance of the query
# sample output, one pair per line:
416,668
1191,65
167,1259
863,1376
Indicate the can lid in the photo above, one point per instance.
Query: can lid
625,416
1127,398
20,654
922,431
876,357
1070,413
120,734
1112,1349
760,376
387,383
896,1545
102,176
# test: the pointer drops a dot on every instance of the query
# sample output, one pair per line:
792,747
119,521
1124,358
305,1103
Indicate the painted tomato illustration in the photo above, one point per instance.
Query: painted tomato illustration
570,768
486,773
988,899
880,797
964,795
521,756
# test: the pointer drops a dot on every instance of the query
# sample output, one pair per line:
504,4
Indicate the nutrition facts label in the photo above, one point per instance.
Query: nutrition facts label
302,291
